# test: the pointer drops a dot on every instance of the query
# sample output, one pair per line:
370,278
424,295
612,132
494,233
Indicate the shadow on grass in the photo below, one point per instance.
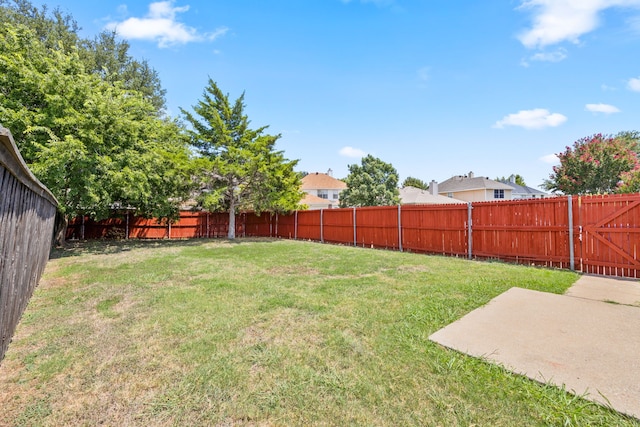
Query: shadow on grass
104,246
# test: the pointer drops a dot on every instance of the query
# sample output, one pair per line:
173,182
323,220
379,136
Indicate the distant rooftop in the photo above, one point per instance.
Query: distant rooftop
470,182
317,180
415,196
522,189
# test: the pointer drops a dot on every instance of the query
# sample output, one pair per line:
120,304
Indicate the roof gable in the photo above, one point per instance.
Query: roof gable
415,196
465,183
321,181
310,199
523,189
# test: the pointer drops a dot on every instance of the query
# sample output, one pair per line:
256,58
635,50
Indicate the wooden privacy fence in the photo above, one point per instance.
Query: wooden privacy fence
27,217
590,234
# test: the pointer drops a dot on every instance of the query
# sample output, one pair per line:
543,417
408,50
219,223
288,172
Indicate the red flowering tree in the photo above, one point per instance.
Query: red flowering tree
630,182
596,165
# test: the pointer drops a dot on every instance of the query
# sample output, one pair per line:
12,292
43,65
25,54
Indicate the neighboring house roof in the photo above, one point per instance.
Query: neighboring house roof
315,202
415,196
321,181
310,199
467,183
523,189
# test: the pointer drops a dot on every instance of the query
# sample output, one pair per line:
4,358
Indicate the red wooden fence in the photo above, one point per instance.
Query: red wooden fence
592,234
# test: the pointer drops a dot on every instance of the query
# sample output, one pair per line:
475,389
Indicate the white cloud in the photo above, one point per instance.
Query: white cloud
423,74
634,84
352,152
602,108
160,25
550,158
537,118
556,56
556,21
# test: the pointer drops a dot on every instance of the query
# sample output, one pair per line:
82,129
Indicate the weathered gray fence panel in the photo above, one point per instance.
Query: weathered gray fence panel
27,217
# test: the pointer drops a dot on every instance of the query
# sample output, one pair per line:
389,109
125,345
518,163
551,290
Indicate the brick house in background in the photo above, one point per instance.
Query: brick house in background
323,190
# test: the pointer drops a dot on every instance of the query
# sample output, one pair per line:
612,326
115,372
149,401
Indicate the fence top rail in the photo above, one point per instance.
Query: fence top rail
435,206
505,202
596,198
12,160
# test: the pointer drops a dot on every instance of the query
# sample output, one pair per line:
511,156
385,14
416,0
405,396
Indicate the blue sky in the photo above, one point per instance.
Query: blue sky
435,87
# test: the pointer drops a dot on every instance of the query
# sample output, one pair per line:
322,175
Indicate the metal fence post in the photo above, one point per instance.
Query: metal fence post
355,229
572,261
470,230
400,227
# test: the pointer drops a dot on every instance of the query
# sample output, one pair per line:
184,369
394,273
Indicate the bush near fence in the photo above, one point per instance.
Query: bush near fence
27,218
592,234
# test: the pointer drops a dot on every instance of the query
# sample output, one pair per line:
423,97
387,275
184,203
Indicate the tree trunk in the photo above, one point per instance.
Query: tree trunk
232,219
60,230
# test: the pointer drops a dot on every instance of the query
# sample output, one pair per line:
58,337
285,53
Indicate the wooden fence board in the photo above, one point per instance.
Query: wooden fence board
309,225
524,231
27,216
337,226
610,234
435,229
258,225
285,226
377,227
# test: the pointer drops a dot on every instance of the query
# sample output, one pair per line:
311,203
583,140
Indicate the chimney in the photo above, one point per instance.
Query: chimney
433,187
512,179
330,172
471,174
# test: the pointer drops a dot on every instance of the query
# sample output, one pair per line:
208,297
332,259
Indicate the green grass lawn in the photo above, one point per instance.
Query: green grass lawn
267,332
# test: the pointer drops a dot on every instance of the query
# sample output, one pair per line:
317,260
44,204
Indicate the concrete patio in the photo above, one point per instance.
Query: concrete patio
587,340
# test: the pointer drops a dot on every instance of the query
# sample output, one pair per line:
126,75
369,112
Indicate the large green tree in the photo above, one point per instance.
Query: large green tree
594,165
104,55
518,179
373,183
240,167
109,57
95,144
54,28
415,182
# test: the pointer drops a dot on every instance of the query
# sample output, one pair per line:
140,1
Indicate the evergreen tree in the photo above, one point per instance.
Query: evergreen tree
240,167
415,182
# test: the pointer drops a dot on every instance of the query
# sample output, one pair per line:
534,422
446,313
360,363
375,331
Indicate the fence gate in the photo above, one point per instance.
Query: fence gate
610,235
